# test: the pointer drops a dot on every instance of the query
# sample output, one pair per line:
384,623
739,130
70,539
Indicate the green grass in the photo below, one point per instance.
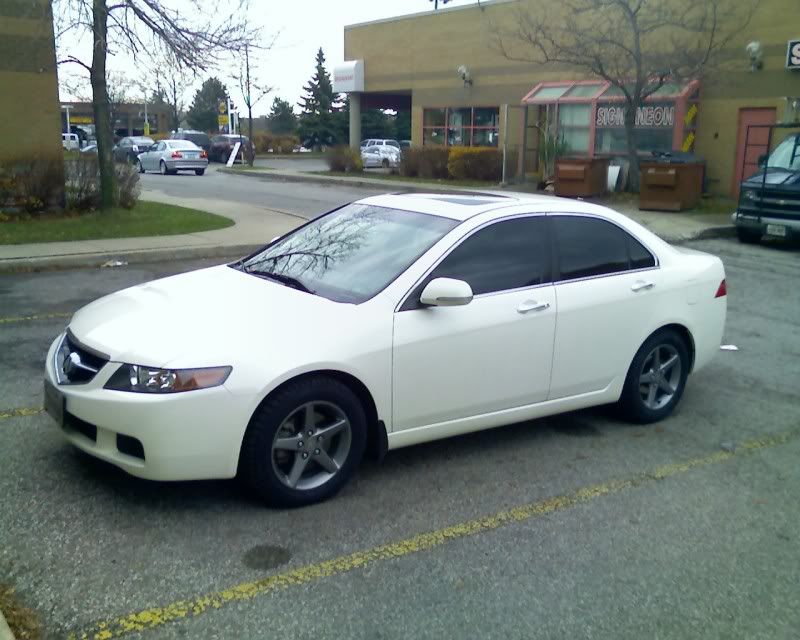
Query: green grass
145,219
389,177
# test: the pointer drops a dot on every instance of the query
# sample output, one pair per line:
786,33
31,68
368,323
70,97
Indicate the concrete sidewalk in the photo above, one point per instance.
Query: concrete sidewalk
253,227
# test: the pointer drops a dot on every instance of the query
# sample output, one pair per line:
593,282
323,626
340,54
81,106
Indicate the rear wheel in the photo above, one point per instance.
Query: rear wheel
748,236
304,442
163,168
656,378
385,163
199,172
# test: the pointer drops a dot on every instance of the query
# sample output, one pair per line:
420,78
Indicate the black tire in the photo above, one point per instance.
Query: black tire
385,163
632,404
163,167
257,468
748,236
199,172
139,165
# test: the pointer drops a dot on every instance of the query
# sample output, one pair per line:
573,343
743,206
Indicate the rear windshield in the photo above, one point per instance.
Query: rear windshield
181,144
197,138
141,140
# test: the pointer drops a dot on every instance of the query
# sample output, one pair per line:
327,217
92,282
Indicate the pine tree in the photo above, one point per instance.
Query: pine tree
317,122
202,115
281,118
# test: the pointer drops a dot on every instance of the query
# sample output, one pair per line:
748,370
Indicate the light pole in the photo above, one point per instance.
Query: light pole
436,3
67,108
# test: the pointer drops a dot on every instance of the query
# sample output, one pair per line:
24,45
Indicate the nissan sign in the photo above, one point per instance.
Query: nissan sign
793,55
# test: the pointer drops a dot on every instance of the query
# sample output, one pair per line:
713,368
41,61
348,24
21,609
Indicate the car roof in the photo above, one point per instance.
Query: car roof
461,206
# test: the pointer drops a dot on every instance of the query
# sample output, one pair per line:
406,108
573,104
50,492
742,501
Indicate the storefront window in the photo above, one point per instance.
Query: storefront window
464,126
654,128
573,125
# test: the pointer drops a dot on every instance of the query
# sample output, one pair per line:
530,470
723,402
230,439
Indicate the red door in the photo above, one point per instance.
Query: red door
750,146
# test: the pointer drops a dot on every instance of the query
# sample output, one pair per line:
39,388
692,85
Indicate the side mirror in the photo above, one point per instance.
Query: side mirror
446,292
762,159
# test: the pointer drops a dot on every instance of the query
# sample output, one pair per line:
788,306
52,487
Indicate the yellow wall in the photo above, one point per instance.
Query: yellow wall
30,113
420,53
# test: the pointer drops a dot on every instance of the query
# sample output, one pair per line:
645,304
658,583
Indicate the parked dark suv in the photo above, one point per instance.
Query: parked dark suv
201,139
769,201
222,145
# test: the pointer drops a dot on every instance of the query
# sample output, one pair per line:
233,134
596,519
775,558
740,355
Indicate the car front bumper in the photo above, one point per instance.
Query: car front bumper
192,435
765,224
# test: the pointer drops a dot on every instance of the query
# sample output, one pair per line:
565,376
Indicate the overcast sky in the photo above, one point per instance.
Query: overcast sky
302,26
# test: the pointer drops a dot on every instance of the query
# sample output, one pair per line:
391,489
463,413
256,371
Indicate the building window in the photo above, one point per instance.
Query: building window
461,126
573,124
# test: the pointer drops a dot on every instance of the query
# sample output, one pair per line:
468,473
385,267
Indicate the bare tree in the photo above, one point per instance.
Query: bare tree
252,91
136,26
636,45
171,80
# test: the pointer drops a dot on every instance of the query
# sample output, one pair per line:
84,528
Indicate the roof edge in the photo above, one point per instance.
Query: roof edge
419,14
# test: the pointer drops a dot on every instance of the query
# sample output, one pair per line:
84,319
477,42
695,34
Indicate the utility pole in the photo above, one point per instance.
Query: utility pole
436,3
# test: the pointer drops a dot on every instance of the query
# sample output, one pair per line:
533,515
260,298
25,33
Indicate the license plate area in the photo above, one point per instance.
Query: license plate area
54,403
776,230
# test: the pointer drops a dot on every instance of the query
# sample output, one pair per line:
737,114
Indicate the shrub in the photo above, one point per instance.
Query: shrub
344,159
32,184
82,182
475,163
271,143
425,162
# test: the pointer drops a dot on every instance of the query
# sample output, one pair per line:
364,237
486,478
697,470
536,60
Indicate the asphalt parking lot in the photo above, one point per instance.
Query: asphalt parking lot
578,526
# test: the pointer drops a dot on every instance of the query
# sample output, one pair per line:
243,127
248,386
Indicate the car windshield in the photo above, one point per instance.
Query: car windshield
786,155
351,254
197,138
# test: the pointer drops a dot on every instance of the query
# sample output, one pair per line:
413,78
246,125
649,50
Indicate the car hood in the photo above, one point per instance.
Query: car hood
201,318
773,177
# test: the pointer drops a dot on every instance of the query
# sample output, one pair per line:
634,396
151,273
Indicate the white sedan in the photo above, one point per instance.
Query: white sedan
170,156
380,156
391,321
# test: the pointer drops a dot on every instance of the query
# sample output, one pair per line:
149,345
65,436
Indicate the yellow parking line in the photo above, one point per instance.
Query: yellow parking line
18,413
155,617
41,316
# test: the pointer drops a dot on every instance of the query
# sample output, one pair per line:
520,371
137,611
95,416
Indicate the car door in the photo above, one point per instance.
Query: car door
149,158
492,354
121,150
606,284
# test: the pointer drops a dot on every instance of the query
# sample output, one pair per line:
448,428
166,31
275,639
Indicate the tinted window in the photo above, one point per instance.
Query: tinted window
506,255
592,247
641,258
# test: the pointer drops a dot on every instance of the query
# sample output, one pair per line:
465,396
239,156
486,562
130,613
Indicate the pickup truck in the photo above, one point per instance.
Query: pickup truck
769,201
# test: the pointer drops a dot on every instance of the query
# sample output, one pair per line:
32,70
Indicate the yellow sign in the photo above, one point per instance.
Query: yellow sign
81,120
223,107
147,128
222,120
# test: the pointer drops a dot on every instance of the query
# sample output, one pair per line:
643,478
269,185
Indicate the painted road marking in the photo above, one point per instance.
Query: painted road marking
18,413
42,316
156,617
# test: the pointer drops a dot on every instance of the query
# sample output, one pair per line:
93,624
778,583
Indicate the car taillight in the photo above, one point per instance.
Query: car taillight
204,154
177,154
722,290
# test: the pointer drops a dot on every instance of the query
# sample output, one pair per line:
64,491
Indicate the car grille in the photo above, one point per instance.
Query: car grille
772,203
76,363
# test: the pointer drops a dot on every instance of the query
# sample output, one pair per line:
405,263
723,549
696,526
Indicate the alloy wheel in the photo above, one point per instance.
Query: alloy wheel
660,376
311,445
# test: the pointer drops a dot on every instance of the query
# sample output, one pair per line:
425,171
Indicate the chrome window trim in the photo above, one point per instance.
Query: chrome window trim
457,243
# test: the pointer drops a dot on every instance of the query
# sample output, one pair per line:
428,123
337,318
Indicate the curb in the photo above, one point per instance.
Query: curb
725,231
378,185
5,631
141,256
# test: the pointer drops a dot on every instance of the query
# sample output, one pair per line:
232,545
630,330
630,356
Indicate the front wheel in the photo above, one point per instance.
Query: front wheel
199,172
163,168
748,236
656,378
304,442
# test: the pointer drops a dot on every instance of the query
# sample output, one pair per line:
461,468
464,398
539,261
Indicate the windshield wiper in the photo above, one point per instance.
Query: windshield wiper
289,281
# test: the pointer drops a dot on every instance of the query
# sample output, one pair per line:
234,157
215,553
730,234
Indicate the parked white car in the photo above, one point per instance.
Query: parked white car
70,141
391,321
380,156
170,156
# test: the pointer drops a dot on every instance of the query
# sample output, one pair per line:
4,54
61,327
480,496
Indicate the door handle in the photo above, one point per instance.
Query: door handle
641,285
532,305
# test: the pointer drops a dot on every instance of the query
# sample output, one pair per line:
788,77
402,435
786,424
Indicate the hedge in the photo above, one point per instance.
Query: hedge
344,159
270,143
425,162
475,163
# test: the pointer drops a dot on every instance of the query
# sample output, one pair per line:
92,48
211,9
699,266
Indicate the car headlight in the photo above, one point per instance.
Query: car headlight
749,194
141,379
